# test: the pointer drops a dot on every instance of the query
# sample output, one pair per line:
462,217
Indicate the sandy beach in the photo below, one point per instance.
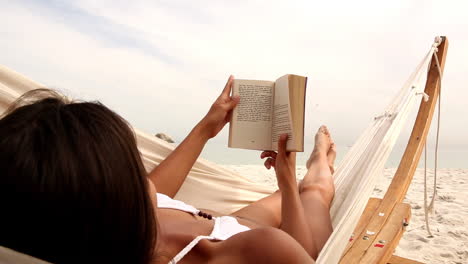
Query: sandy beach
448,222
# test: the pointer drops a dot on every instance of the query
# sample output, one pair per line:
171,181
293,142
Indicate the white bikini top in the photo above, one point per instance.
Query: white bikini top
224,226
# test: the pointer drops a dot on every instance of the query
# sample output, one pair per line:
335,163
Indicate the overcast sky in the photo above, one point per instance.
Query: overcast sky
161,64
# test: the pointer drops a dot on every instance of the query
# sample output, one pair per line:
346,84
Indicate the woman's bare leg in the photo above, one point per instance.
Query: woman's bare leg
267,211
264,212
317,189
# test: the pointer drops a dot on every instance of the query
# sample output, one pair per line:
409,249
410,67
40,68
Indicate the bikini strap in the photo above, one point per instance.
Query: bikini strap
189,247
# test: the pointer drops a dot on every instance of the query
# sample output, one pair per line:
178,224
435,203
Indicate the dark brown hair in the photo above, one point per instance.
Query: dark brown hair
73,188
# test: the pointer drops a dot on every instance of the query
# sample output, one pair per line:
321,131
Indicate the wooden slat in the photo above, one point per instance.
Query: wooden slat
389,236
370,210
404,175
399,260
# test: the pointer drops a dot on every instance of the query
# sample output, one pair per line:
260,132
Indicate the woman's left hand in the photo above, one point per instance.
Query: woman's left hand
220,112
284,163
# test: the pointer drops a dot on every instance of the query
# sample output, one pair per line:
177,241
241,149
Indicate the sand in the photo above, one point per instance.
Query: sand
448,223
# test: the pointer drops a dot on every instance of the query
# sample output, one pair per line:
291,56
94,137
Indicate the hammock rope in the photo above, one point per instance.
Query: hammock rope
430,208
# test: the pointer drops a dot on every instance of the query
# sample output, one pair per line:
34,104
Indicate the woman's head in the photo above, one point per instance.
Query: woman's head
73,188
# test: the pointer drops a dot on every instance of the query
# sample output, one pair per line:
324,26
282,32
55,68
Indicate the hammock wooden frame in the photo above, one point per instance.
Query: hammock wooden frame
384,220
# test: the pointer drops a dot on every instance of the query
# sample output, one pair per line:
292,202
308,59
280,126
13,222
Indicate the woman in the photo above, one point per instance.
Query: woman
73,190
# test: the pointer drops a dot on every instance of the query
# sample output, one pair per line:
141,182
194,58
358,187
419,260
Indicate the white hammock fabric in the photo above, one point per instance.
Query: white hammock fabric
356,176
226,191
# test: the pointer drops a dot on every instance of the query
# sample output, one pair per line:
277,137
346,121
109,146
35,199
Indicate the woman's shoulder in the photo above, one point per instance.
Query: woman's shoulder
261,245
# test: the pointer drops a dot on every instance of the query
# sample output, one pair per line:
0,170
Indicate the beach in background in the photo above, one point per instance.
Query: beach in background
448,157
448,222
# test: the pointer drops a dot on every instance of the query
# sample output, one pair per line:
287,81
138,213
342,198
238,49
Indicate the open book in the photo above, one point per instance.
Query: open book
266,110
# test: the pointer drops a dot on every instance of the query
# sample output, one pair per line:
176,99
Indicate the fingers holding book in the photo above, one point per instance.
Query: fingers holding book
271,158
285,165
283,161
220,112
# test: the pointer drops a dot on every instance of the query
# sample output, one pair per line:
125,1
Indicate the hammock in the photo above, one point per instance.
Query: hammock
226,191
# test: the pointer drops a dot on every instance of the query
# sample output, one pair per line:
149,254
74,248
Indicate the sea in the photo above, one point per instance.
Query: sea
448,157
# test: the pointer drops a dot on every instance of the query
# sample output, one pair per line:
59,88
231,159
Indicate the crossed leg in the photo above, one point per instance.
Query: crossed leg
316,193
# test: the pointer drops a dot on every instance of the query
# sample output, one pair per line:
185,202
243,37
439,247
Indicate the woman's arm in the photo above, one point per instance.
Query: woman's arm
293,219
169,175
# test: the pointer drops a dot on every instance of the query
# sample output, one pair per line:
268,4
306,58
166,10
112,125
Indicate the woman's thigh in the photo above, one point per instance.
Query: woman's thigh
264,212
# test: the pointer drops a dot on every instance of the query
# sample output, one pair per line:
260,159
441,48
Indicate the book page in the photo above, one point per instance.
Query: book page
251,122
281,113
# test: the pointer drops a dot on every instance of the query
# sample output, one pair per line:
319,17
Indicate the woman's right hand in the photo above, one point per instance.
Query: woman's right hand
220,112
284,163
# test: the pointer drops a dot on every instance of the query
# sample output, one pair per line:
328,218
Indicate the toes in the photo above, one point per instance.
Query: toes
332,151
332,147
331,154
324,129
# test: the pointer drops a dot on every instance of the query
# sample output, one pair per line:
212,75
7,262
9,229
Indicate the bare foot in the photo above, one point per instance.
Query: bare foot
322,145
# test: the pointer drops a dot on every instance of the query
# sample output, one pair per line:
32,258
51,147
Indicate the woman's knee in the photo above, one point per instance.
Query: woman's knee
320,191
